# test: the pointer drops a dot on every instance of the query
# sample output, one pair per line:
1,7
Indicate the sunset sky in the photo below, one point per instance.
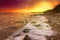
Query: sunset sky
27,5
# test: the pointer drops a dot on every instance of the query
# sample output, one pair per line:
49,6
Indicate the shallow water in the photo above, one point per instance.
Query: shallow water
35,33
10,22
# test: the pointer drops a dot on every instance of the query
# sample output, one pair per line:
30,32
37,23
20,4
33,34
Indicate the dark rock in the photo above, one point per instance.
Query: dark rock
55,10
26,30
27,38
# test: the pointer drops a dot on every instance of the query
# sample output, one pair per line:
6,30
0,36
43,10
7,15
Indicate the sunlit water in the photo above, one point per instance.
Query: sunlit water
10,22
38,29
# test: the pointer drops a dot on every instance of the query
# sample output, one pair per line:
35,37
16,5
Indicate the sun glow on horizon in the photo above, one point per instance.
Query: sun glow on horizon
39,7
43,6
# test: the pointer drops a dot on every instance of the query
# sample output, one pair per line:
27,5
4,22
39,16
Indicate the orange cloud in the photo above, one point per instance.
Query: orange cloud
38,7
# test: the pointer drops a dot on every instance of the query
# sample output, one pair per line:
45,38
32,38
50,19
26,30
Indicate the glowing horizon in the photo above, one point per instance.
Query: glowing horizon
39,7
